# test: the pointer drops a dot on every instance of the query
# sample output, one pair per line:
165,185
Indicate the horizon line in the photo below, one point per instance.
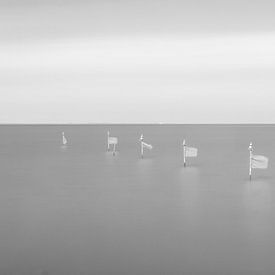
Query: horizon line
140,123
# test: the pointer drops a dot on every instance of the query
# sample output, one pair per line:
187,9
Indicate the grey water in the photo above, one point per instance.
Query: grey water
80,210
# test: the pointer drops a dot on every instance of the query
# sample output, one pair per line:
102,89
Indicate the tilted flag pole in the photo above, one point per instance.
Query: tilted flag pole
184,153
250,148
144,145
111,141
256,161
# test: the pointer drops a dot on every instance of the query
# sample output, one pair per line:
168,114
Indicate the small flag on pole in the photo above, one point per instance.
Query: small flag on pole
191,152
260,162
188,152
112,141
64,140
256,161
144,145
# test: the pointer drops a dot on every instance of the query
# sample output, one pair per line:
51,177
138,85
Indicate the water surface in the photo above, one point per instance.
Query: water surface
79,210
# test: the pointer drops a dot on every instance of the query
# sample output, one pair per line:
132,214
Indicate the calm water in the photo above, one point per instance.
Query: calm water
79,210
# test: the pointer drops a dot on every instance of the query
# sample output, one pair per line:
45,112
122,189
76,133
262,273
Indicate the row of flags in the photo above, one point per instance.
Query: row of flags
255,161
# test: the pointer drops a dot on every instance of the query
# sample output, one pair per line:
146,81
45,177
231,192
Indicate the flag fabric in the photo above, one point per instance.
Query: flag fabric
148,146
112,140
64,140
191,151
259,162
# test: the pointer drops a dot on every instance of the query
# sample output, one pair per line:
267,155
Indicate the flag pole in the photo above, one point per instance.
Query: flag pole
141,146
184,153
108,144
250,148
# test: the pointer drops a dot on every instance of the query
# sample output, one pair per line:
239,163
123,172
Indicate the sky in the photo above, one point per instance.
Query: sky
137,61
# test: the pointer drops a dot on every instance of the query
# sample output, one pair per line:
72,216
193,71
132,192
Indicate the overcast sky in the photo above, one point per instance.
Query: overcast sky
137,61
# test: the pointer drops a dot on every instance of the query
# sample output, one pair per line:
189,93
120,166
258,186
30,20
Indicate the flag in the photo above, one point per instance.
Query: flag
112,140
260,162
148,146
191,152
64,140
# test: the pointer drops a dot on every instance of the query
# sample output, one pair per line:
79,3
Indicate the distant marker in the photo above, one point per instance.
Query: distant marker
64,140
188,152
111,141
256,161
144,145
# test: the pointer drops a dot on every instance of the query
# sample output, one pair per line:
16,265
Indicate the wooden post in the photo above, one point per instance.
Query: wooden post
141,146
184,153
250,148
108,144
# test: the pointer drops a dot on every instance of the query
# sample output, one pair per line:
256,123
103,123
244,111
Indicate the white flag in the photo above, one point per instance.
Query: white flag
148,146
260,162
191,151
112,140
64,140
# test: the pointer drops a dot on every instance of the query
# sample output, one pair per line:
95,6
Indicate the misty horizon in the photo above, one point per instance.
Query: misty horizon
137,62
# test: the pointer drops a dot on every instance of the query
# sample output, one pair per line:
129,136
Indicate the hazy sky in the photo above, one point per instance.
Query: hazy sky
137,61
